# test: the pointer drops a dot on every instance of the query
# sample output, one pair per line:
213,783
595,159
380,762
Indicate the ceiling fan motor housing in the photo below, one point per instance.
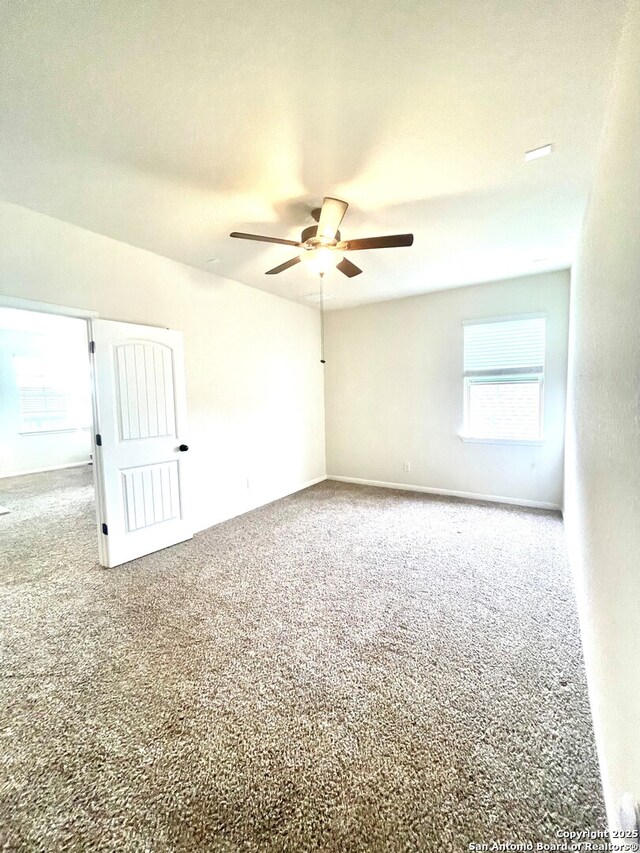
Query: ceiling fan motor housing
309,236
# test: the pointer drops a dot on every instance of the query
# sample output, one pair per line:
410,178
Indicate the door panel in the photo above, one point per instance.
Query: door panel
151,495
145,390
140,412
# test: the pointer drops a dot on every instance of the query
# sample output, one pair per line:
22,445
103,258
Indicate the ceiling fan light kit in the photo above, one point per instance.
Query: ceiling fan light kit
322,259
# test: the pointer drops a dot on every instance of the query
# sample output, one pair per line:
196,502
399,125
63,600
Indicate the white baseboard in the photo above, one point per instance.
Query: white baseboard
471,496
43,470
307,485
262,502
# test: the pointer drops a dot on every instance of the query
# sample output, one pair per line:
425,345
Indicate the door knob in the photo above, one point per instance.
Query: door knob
183,447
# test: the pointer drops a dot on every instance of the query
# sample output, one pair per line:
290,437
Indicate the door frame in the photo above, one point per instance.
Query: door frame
7,301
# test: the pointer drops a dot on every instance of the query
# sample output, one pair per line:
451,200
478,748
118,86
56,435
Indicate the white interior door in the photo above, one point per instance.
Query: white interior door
140,455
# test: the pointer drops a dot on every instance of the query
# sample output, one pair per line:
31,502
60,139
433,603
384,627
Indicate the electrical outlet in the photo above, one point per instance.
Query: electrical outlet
248,483
406,466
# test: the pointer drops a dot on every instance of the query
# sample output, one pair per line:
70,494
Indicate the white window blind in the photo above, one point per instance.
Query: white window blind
504,372
507,346
42,405
52,393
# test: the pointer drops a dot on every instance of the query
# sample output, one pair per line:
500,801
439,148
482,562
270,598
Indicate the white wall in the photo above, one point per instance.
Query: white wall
394,392
603,433
21,452
254,381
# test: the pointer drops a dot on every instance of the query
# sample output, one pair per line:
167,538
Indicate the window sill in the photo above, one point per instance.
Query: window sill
530,442
50,431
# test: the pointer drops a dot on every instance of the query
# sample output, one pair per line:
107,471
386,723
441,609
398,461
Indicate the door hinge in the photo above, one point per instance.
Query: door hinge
92,346
105,529
98,439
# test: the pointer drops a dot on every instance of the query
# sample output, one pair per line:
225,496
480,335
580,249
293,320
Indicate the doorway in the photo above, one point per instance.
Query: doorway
45,399
105,394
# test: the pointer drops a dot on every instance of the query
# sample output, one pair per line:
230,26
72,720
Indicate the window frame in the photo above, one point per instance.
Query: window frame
502,377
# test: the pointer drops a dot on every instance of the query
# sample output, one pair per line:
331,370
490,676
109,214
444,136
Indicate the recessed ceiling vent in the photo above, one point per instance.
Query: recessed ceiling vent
538,152
317,297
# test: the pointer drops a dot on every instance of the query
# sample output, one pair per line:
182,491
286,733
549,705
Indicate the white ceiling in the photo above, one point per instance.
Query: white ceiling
169,124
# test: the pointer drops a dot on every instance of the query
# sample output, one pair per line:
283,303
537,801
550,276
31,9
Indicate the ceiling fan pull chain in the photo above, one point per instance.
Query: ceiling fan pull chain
322,318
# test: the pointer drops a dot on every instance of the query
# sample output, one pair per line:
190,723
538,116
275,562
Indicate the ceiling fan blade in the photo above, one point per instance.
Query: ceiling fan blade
347,268
376,242
331,215
261,239
284,266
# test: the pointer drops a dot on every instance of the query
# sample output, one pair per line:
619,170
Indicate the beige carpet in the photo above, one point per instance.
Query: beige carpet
348,669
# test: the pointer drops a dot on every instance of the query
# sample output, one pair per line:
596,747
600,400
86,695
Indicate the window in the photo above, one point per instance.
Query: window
42,406
504,379
51,398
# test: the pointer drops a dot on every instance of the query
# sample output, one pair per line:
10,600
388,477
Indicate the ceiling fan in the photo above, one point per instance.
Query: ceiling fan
322,246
